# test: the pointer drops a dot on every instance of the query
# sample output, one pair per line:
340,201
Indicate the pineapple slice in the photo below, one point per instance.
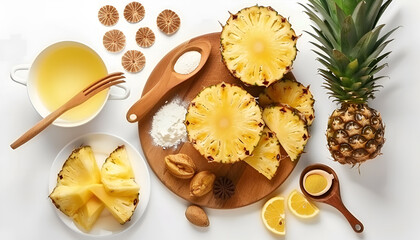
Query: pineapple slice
80,168
79,172
291,93
258,45
88,214
266,156
224,123
121,207
117,174
68,199
291,130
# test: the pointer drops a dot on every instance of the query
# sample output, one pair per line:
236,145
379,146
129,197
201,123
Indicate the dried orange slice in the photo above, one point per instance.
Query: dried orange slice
273,215
133,61
168,22
134,12
114,40
145,37
108,15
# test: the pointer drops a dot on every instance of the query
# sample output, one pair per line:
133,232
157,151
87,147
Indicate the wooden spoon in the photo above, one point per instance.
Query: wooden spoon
332,196
168,80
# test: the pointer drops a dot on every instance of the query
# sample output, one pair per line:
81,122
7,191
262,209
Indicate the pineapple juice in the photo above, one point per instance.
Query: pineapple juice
65,69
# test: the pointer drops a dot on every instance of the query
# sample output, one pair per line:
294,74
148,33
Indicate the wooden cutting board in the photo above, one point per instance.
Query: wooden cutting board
251,186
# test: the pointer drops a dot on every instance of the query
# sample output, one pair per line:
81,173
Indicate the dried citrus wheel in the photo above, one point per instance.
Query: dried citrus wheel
134,12
108,15
168,22
300,206
114,40
145,37
273,215
133,61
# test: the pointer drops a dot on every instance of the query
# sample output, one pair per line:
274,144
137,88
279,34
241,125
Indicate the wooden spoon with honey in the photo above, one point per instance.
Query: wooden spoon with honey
332,196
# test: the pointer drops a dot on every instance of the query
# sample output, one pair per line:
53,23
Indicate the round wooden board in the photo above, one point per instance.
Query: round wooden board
251,186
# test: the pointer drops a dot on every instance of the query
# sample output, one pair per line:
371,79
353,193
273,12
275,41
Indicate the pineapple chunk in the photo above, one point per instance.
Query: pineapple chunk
79,172
121,207
258,45
88,214
291,93
70,198
266,156
117,174
291,130
224,123
80,169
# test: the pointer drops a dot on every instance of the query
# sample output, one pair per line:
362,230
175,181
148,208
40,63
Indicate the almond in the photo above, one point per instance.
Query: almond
197,216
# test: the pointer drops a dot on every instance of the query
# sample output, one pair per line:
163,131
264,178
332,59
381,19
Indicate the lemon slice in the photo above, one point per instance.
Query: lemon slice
273,215
300,206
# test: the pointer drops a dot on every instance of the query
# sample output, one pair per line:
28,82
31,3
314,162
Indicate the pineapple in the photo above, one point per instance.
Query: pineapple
266,156
291,93
68,199
121,207
117,174
79,171
88,214
258,45
290,128
224,123
350,48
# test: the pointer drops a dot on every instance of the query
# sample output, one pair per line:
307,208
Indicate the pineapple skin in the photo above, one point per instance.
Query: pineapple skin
355,134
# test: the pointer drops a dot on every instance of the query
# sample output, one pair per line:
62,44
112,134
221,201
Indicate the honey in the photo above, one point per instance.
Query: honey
63,70
317,182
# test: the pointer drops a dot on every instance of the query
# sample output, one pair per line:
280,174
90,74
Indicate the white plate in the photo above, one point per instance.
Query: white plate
102,145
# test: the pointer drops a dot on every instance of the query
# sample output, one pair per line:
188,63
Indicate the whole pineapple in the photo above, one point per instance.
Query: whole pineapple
351,51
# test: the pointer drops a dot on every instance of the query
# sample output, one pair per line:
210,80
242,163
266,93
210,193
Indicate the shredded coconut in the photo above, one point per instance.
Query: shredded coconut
187,62
168,129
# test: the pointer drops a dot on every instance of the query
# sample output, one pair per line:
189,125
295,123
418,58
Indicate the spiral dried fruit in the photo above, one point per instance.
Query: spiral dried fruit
114,40
108,15
134,12
168,22
133,61
145,37
180,165
202,183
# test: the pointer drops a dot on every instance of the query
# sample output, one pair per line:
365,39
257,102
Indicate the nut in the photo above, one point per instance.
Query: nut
180,165
202,183
197,216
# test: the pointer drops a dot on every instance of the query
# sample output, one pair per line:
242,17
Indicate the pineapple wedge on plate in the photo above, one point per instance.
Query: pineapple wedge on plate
117,174
266,156
224,123
121,207
290,128
291,93
258,45
88,214
79,172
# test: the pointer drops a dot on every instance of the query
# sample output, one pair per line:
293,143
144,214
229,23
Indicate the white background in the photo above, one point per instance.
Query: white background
385,195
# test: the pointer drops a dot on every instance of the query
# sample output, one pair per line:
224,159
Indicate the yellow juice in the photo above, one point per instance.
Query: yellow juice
63,70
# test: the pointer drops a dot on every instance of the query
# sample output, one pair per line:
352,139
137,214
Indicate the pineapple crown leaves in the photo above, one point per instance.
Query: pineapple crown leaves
349,45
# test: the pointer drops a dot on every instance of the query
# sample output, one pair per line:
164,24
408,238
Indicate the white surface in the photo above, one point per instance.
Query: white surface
102,145
385,195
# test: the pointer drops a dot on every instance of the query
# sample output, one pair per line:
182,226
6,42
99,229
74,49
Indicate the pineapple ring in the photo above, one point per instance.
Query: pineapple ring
224,123
258,45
